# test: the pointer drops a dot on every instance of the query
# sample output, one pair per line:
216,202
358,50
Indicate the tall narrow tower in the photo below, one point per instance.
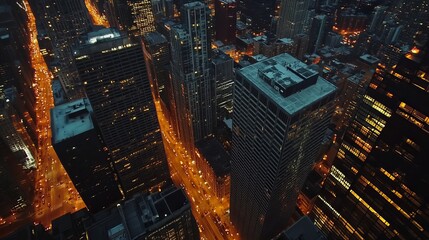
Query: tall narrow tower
226,20
317,33
114,74
193,85
292,18
281,111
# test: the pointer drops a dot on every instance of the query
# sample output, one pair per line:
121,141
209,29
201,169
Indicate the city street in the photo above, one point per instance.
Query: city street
55,194
96,17
211,213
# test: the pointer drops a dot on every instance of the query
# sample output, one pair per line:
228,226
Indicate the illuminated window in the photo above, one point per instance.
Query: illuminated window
373,86
369,208
340,177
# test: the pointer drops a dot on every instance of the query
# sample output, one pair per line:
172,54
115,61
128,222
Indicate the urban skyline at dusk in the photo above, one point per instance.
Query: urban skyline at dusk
214,119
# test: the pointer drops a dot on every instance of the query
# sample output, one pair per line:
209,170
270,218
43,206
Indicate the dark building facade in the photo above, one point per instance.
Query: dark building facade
64,22
317,33
258,14
223,71
84,156
135,17
281,111
114,74
157,56
377,187
293,14
162,215
225,20
215,165
193,85
16,72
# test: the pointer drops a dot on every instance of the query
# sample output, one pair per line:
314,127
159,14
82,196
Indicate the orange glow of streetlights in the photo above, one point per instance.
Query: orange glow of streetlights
96,17
415,50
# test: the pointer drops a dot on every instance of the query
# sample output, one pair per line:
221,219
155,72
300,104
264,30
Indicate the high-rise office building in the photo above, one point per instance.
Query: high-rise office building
258,14
350,97
133,16
292,17
223,73
157,56
143,20
377,186
225,20
13,131
163,9
114,74
161,215
192,81
118,14
64,22
79,147
317,33
301,41
16,72
281,111
377,18
350,20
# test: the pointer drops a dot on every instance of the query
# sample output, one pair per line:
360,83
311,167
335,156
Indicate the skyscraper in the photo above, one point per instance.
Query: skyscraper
192,82
64,22
317,33
223,73
13,131
161,215
225,20
16,72
134,16
377,186
114,74
79,147
157,56
143,20
292,17
257,13
281,111
377,18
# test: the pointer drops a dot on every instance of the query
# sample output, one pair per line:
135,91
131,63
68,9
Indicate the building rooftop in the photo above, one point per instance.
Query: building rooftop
356,78
227,48
70,225
288,82
71,119
215,155
104,41
247,40
153,38
58,92
303,229
195,4
137,216
259,57
101,35
180,31
369,59
227,1
287,41
220,57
